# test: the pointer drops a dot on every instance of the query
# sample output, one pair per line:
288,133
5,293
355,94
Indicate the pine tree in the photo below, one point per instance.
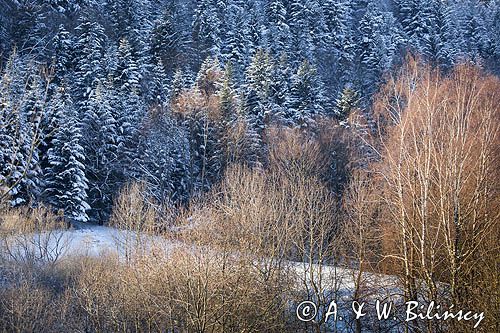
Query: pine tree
65,180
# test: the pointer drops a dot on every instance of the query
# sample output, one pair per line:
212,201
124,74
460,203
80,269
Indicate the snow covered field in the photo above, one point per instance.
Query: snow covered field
90,240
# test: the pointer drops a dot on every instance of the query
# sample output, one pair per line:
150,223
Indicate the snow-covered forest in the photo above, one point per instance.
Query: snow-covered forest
251,136
92,91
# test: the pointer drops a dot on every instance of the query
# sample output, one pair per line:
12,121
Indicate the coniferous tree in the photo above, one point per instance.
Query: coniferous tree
437,44
179,83
278,33
164,158
302,45
65,181
10,172
89,49
280,87
376,46
472,30
130,107
31,137
347,102
62,59
159,89
207,28
339,38
30,31
100,141
306,99
237,43
166,42
258,84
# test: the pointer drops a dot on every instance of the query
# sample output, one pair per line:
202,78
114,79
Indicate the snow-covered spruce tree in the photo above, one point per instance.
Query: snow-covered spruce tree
237,43
472,29
278,34
30,139
302,46
207,28
132,19
257,90
438,44
100,141
493,25
65,181
240,142
253,28
317,25
280,87
227,97
375,47
347,102
167,42
9,130
340,40
30,31
306,99
129,107
159,89
164,161
179,83
62,60
89,53
415,19
228,113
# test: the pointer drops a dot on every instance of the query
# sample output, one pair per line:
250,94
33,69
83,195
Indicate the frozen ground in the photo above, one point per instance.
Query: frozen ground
95,241
91,240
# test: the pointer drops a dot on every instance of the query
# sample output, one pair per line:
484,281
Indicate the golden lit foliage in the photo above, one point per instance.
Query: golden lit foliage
440,183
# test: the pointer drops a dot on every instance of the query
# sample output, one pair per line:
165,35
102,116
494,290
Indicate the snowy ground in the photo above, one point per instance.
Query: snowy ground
90,240
95,241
